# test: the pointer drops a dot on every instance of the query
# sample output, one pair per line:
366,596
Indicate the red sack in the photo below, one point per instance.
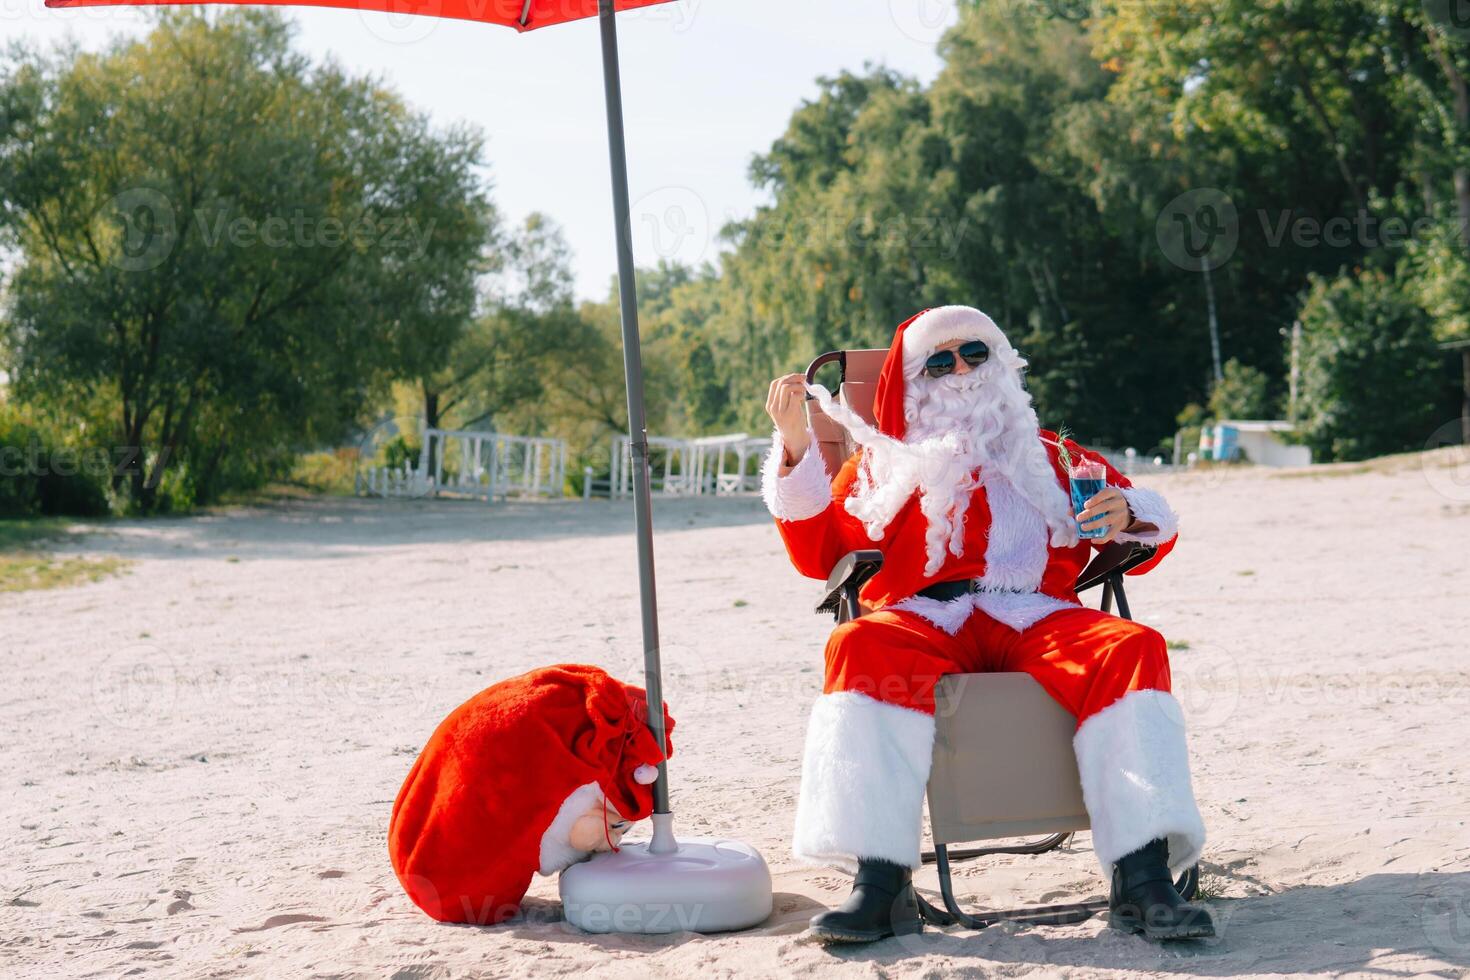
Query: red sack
483,807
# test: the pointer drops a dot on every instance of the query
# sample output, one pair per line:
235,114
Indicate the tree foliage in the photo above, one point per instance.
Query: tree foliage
1012,183
521,328
225,250
1367,353
1244,392
178,287
1034,178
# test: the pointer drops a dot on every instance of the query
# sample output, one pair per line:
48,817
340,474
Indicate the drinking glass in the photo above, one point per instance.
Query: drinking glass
1087,480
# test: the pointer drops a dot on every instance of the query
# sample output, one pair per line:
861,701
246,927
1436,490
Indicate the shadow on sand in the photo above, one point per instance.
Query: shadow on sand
1382,924
335,527
1379,924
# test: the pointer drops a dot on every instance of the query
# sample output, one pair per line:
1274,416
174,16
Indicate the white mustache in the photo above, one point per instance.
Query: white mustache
957,382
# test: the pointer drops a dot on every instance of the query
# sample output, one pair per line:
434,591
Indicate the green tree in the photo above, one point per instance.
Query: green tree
41,474
689,354
1368,360
1243,393
1347,115
228,248
888,197
585,389
497,364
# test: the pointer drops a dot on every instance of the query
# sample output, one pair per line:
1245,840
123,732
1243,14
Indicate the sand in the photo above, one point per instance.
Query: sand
199,756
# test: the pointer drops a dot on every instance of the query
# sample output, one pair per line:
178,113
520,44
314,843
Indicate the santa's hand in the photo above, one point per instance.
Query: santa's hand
1108,509
786,405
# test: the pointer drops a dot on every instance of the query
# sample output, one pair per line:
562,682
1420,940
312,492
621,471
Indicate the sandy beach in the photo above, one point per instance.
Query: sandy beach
200,755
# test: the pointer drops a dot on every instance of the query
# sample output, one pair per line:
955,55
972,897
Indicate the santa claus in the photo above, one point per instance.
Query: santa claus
966,497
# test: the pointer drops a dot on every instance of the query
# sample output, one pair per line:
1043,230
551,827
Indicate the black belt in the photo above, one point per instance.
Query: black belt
946,591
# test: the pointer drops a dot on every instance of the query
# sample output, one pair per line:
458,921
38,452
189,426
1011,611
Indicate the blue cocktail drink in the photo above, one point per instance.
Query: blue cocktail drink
1087,480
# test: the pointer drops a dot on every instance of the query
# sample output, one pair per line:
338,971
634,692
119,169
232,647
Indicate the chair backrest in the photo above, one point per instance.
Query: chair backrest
1003,761
860,369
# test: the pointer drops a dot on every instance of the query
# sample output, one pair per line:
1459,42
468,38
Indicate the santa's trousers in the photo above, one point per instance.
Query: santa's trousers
871,734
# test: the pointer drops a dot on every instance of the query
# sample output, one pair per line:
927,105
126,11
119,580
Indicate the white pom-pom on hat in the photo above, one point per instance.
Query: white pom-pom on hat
645,774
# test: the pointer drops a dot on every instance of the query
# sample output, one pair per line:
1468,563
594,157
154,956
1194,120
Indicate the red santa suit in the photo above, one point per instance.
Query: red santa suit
870,736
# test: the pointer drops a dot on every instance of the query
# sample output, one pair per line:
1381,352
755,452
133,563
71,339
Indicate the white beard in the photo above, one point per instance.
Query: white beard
954,426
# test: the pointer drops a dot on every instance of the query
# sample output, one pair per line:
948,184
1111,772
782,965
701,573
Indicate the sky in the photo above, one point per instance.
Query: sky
707,84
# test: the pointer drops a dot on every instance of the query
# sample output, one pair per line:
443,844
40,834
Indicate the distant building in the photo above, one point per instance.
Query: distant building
1255,440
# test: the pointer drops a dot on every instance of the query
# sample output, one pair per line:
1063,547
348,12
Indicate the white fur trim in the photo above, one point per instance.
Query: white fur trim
1135,779
801,494
1020,610
1015,560
557,851
948,615
863,774
941,324
1015,546
1150,507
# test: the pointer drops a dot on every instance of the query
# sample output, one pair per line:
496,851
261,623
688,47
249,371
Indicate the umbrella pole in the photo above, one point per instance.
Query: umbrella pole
637,427
699,884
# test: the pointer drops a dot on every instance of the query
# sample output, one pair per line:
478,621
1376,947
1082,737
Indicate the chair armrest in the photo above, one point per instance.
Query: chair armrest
851,571
854,569
1113,559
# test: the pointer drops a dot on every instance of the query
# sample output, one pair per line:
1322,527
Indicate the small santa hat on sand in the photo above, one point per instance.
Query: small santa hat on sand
913,342
494,794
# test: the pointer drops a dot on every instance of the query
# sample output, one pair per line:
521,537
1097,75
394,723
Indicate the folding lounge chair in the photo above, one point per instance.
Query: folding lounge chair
976,792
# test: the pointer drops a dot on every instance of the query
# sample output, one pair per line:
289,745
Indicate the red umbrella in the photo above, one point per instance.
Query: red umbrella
665,885
523,15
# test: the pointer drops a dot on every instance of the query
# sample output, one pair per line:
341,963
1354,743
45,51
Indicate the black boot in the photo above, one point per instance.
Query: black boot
1145,900
882,904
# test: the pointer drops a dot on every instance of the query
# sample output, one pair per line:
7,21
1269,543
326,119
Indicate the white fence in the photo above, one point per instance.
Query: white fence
488,465
1130,462
381,481
687,467
492,466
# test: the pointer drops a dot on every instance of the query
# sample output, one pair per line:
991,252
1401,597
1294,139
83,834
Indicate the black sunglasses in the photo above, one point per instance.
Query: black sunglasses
975,354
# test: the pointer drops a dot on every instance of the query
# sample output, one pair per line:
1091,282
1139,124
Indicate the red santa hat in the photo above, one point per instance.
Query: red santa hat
494,793
913,342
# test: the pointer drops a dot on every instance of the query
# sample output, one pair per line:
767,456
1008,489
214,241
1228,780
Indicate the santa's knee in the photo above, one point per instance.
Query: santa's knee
865,656
846,637
1146,655
844,645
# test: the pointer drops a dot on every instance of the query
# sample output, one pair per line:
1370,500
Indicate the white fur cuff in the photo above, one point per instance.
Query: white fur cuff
557,851
1134,765
863,775
801,494
1150,507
